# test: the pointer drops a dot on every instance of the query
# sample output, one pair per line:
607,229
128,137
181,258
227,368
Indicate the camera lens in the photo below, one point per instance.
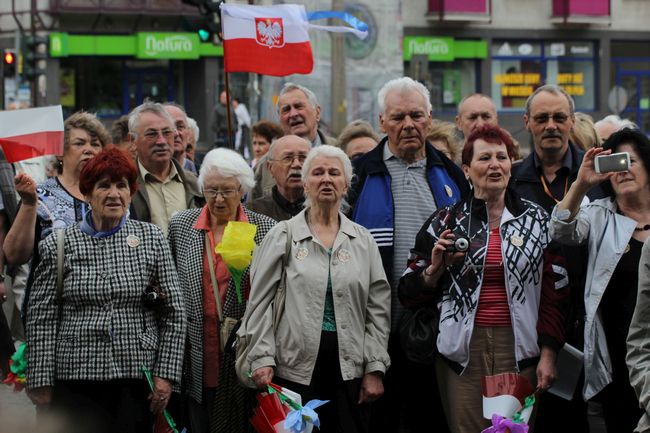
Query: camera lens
461,244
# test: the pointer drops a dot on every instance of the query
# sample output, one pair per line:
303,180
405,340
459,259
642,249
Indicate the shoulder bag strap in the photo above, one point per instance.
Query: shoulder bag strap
213,277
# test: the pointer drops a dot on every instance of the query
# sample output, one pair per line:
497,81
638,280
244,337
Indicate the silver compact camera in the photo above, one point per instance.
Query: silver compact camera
460,245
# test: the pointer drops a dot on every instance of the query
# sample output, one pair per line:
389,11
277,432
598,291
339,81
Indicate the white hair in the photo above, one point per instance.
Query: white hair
194,127
615,120
290,87
401,85
329,152
148,107
227,163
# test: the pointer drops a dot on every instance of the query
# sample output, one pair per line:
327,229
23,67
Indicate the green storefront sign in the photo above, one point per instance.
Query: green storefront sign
443,49
141,45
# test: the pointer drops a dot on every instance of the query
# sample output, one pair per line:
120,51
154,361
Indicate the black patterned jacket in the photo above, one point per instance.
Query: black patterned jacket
188,247
105,331
536,283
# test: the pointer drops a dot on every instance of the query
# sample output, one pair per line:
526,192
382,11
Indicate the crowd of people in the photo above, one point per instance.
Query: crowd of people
517,255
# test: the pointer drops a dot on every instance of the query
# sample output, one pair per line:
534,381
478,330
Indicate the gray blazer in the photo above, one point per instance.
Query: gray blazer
188,247
105,332
638,341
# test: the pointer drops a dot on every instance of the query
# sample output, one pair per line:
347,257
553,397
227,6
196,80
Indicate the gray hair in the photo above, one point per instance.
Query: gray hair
148,107
615,120
271,151
227,163
329,152
194,127
553,89
290,87
403,84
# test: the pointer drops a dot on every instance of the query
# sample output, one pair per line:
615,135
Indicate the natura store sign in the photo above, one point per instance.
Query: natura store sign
168,46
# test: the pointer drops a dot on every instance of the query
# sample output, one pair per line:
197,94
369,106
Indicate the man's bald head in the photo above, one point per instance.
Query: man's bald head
475,111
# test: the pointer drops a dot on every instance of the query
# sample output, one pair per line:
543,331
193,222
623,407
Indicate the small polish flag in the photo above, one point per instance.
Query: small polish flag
505,394
31,132
268,40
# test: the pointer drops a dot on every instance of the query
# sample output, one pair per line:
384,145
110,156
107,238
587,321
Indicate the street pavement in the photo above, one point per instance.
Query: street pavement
17,414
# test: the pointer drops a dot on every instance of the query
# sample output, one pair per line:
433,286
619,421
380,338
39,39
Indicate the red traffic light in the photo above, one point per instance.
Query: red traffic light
10,58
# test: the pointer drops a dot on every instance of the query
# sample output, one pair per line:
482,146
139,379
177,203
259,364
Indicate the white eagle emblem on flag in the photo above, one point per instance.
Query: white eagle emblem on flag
269,32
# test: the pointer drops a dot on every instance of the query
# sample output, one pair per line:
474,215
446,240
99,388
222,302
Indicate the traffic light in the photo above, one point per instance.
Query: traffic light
210,24
9,63
35,56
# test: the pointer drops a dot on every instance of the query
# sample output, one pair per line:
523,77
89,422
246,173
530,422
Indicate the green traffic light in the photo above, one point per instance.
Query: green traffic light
204,35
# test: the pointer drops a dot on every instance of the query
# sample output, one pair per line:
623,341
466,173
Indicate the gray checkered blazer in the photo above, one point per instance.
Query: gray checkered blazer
188,245
105,331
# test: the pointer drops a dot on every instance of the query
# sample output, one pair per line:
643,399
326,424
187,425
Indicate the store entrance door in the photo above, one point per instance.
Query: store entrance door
637,85
153,83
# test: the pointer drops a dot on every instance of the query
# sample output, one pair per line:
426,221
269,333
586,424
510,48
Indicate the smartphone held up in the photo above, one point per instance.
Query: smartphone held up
614,162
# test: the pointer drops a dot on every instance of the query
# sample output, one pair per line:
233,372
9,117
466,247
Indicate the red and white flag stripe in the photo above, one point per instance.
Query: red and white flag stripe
31,132
269,40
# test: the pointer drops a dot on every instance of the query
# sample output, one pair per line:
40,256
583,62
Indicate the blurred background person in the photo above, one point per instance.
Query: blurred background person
57,202
475,111
614,228
193,139
331,342
584,133
358,138
442,136
211,384
499,309
181,136
264,132
120,135
610,124
242,136
85,362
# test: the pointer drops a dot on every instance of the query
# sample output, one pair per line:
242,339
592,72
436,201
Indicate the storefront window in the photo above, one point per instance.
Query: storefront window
518,68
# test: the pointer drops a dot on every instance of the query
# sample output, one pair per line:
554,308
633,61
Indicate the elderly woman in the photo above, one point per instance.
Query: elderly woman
442,136
614,228
117,309
57,202
498,301
331,341
216,401
358,138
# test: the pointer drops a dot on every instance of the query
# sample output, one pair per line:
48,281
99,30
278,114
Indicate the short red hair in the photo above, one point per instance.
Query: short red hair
112,163
490,134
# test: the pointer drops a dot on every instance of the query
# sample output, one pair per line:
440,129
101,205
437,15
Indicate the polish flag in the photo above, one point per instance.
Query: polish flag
505,394
31,132
268,40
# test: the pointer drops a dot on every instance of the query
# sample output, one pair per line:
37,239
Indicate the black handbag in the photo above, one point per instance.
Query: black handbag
418,332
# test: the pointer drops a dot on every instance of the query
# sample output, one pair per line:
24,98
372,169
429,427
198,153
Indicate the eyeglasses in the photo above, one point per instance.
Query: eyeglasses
544,118
288,159
153,134
226,193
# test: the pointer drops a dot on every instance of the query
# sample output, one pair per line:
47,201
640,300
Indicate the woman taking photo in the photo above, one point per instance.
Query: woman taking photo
118,309
331,339
614,228
498,302
216,401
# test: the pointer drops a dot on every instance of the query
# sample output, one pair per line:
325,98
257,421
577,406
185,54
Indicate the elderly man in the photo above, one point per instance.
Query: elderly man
299,114
474,111
164,187
398,185
544,177
286,156
181,137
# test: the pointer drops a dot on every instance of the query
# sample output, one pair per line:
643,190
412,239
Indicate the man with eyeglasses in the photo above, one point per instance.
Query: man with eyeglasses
299,114
286,156
544,177
164,187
